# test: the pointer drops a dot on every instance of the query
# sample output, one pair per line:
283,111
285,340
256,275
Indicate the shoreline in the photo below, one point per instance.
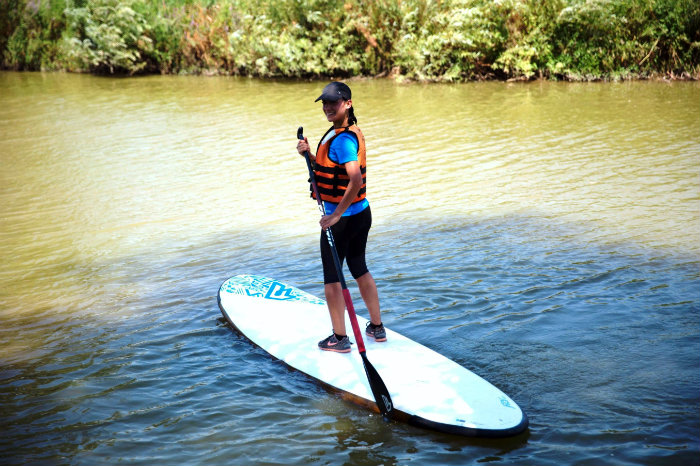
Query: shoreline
398,78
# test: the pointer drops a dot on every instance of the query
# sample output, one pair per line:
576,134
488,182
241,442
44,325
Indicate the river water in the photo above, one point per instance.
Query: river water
544,235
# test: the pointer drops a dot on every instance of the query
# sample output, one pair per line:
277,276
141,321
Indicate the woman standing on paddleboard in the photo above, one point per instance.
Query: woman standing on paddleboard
339,167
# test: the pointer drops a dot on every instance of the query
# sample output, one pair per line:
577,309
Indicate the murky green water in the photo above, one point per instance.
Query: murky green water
543,235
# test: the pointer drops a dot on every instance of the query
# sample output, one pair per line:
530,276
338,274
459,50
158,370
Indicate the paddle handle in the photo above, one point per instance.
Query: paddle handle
312,176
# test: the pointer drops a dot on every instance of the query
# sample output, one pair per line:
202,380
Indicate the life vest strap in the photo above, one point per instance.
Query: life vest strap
333,191
334,170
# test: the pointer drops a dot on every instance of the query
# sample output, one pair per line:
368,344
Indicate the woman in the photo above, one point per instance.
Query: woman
339,167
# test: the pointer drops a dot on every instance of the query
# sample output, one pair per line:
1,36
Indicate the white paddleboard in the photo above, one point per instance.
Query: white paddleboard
426,388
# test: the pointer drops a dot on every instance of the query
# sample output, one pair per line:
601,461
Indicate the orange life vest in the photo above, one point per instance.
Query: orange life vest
331,178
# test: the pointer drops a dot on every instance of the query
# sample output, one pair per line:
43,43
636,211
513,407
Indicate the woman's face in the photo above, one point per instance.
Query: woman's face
336,111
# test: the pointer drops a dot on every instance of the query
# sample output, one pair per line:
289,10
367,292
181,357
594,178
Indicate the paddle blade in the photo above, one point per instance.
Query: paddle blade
379,390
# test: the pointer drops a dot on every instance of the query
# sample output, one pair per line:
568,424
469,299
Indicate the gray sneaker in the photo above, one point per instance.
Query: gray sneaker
378,333
333,344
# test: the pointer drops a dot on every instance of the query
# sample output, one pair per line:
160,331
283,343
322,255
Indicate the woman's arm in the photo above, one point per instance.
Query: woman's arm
355,174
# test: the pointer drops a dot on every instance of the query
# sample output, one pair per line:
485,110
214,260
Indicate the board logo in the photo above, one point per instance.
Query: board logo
506,403
387,404
279,292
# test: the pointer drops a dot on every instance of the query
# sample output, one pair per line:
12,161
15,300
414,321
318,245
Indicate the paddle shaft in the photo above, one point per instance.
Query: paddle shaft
379,390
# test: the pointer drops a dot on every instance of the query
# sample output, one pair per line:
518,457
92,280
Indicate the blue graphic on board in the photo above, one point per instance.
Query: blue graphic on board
248,292
506,403
267,288
279,291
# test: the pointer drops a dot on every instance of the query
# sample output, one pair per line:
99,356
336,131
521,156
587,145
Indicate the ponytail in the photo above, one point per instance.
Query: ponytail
352,119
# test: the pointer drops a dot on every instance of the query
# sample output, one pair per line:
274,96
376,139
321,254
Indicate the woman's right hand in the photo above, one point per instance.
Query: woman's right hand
302,146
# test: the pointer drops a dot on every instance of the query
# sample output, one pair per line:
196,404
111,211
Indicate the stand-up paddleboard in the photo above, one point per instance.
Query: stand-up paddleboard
427,389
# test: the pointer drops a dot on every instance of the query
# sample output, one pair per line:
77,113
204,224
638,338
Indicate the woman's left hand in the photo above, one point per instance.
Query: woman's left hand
328,221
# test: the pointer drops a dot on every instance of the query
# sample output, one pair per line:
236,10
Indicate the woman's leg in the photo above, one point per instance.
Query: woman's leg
336,307
368,290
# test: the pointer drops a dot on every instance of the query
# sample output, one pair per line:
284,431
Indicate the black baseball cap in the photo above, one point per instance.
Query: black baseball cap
335,91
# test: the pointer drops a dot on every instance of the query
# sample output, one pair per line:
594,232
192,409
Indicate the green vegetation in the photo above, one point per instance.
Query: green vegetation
448,40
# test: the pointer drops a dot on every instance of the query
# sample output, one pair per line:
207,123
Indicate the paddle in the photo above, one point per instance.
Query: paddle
376,384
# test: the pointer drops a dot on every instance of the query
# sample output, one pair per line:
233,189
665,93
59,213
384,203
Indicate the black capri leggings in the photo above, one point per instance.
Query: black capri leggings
350,235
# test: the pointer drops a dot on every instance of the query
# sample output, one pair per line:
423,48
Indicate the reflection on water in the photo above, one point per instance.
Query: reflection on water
544,235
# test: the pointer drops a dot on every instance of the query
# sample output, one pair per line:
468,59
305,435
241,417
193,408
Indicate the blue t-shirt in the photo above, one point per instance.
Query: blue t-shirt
343,150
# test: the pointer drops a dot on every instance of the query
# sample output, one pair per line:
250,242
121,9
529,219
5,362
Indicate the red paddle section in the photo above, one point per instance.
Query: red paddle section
353,321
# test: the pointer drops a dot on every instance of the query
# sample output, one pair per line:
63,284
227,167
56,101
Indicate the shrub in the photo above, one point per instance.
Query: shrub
30,33
437,40
108,36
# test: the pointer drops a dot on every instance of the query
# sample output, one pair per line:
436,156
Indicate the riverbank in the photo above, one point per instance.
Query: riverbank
453,40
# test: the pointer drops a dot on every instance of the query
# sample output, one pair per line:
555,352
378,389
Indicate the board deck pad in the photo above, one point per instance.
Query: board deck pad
426,388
